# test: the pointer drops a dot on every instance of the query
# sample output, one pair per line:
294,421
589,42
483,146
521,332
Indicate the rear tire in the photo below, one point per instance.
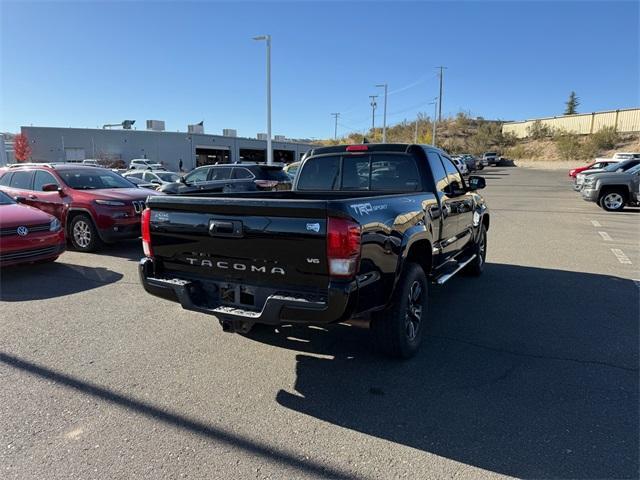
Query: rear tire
83,234
476,267
397,331
613,200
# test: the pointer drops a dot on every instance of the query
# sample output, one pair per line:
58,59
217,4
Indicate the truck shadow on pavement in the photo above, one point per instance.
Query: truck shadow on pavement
42,281
527,372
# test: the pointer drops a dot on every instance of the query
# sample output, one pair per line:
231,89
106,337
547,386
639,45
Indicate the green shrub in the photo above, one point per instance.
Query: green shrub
569,146
538,130
518,152
605,139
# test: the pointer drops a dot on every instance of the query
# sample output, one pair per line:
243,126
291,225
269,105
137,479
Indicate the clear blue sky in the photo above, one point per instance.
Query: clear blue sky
83,64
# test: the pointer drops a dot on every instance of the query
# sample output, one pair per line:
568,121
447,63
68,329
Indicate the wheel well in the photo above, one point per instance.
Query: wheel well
420,253
623,189
74,213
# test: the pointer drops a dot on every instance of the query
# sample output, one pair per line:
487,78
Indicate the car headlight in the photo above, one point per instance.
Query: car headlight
55,225
110,203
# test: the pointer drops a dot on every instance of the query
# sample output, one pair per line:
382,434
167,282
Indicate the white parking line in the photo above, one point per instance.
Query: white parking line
595,223
605,236
620,255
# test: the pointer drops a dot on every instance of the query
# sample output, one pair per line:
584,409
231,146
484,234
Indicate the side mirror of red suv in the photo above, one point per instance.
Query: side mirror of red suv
50,187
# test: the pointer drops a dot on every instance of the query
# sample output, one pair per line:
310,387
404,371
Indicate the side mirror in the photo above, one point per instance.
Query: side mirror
21,199
50,187
476,183
182,180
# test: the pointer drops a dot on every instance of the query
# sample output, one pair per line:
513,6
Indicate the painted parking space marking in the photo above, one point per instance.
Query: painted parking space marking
620,255
605,236
595,223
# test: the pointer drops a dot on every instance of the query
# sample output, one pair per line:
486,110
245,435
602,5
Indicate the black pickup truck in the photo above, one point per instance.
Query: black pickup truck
363,232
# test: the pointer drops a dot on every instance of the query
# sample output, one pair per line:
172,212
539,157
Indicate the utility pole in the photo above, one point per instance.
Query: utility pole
415,134
335,128
440,96
433,121
373,114
384,117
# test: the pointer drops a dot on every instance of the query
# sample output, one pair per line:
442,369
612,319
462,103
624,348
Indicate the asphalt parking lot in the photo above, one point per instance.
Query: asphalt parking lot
529,371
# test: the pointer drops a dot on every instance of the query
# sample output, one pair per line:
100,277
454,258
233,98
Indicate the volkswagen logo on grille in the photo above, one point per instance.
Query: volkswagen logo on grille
22,231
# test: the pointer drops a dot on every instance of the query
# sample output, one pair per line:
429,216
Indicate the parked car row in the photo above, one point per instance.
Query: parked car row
611,183
93,205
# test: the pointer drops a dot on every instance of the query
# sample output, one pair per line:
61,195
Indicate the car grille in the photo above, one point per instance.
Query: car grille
26,254
6,232
138,205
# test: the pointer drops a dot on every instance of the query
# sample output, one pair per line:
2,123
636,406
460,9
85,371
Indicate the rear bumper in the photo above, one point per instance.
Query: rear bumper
200,296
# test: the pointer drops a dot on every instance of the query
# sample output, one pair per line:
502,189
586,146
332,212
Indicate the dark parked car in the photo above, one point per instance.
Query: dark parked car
364,230
95,204
241,177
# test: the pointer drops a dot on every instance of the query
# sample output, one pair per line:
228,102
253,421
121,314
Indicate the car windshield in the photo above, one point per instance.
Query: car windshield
168,176
93,179
612,167
634,170
5,199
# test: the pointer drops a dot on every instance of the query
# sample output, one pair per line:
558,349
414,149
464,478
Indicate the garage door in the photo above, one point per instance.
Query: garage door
74,154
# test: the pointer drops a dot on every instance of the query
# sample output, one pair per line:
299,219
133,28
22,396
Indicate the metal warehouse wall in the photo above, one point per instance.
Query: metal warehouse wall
624,121
51,144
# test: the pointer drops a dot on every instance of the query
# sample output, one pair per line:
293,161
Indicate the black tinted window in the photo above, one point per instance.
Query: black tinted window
43,178
387,172
274,174
452,171
439,174
6,179
220,173
242,174
355,173
394,173
320,173
22,180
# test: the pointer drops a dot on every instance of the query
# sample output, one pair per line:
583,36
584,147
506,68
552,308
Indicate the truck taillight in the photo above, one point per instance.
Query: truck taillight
343,247
146,233
266,184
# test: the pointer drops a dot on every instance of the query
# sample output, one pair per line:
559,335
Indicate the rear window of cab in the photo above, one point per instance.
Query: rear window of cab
375,172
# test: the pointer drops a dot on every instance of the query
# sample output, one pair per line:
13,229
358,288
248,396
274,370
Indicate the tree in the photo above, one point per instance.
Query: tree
21,147
572,104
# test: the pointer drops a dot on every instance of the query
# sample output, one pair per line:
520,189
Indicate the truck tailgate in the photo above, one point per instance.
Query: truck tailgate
250,241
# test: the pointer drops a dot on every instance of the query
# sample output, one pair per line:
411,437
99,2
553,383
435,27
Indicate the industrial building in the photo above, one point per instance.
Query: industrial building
172,149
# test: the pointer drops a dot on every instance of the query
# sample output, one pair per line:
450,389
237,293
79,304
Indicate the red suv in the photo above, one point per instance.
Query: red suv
94,204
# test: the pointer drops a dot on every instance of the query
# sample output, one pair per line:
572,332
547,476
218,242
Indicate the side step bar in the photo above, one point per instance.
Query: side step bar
440,280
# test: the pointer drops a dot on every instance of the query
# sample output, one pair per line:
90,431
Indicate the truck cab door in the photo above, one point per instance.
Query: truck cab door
463,202
446,213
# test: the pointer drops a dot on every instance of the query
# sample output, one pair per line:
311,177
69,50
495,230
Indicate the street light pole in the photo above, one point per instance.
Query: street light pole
384,115
267,39
440,96
373,114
